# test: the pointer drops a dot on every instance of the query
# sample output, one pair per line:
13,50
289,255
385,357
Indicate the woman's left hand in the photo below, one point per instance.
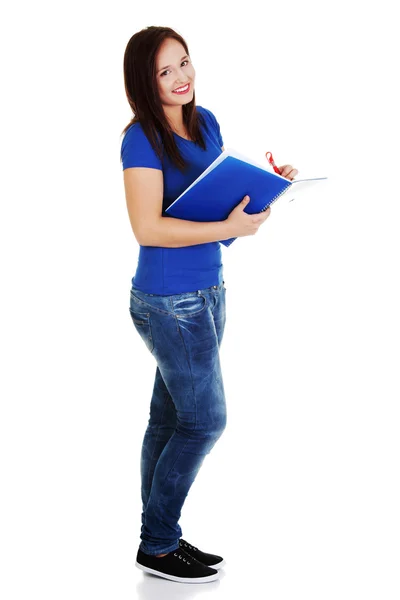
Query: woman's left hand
288,171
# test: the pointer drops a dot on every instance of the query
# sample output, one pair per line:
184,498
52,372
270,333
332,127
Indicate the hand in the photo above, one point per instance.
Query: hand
288,172
239,223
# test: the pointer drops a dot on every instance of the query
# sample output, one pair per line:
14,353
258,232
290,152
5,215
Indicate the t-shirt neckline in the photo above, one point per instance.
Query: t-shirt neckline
182,138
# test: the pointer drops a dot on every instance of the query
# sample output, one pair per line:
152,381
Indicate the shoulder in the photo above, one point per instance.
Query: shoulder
135,134
209,117
212,121
136,149
206,112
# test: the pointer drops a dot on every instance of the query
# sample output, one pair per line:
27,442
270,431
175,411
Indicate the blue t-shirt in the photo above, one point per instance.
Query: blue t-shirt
162,270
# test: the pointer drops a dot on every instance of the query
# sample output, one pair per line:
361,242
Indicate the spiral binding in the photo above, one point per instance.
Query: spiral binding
275,198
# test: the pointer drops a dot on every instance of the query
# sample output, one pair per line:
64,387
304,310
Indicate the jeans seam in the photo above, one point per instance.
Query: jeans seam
151,306
158,432
195,405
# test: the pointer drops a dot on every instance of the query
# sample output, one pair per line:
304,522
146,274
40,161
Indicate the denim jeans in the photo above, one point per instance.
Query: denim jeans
187,412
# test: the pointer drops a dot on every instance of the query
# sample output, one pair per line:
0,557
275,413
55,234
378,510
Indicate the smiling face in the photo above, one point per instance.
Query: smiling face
174,70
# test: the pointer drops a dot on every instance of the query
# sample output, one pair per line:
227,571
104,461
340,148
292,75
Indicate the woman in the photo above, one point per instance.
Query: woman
177,298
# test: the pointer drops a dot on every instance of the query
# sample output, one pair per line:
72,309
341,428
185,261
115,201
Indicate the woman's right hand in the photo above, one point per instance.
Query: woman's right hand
241,224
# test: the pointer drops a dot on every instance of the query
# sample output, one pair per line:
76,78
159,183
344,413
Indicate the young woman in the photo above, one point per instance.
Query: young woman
177,298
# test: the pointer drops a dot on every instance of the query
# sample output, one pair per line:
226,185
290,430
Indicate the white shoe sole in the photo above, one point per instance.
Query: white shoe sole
174,578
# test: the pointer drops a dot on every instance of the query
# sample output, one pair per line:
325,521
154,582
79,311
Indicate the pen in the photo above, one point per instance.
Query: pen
272,162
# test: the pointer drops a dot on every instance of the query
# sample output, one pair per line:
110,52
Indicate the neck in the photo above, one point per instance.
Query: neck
174,116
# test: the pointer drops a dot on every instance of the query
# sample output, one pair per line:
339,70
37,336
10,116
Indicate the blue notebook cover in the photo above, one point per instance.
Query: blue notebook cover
216,192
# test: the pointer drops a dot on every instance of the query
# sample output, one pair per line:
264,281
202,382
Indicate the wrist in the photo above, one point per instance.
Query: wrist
227,227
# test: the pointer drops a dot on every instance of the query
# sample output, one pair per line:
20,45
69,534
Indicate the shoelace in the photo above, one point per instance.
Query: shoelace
188,546
183,558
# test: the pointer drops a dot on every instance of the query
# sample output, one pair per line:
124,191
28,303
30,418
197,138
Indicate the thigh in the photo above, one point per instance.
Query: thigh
185,344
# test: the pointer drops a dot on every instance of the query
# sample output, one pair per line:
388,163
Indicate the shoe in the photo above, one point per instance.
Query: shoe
211,560
177,565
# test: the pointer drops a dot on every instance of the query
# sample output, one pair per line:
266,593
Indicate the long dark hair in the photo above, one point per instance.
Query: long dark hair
140,80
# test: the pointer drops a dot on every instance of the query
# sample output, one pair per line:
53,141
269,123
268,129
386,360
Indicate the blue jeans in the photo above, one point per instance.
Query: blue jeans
187,412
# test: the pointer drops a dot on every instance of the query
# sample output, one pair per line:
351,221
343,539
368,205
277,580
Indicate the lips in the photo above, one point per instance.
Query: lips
184,92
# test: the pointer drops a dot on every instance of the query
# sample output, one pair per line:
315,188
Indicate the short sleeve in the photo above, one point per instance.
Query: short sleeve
136,150
216,127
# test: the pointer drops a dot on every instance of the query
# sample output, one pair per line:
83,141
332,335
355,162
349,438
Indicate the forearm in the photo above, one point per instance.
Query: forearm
170,232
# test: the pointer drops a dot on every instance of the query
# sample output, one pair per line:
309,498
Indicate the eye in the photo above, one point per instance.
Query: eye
185,61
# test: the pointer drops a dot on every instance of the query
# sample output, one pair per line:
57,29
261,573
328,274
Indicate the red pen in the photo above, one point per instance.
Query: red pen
272,162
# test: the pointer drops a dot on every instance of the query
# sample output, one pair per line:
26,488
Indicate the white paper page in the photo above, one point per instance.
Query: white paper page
298,186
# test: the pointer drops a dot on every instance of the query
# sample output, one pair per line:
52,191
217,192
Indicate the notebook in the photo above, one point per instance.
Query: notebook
229,178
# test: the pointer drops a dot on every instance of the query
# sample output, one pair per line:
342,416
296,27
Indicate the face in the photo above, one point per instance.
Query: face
179,73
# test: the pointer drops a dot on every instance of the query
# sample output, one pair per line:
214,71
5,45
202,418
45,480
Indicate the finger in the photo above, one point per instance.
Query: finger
284,169
292,174
288,171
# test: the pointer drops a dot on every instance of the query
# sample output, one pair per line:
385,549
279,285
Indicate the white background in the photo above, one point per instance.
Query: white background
301,493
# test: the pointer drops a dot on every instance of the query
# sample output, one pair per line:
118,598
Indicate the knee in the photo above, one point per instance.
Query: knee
206,427
222,420
215,430
215,425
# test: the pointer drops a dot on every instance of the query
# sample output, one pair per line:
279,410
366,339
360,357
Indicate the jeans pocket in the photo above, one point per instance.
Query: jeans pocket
188,304
142,325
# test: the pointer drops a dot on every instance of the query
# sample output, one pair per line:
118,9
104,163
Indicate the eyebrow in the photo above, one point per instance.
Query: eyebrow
167,67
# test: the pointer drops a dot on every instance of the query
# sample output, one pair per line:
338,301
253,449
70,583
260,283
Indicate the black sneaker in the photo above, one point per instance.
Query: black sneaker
177,565
211,560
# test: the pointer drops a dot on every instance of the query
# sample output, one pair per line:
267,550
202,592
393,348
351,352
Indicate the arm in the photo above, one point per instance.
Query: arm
144,196
169,232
